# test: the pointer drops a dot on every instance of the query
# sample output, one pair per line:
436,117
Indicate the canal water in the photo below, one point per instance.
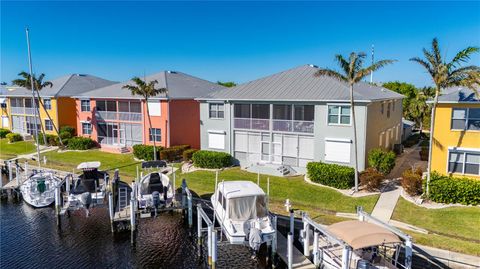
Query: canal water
29,238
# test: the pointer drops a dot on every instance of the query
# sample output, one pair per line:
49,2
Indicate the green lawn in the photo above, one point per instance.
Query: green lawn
453,228
8,151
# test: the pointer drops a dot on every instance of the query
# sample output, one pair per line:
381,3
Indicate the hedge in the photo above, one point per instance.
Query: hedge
52,140
145,152
4,132
333,175
81,143
65,136
173,153
211,159
383,161
448,189
67,129
14,137
187,154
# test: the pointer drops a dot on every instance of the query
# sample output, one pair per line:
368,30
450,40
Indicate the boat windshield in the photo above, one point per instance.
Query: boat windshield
245,208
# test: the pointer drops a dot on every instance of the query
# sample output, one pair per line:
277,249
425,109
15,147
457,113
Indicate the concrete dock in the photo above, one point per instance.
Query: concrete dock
299,261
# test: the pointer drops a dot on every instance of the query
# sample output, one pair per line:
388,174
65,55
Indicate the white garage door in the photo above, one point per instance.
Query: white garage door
337,150
216,140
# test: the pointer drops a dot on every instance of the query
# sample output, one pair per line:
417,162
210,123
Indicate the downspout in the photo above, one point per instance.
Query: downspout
230,134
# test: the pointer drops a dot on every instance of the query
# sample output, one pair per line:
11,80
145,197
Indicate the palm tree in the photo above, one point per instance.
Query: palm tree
38,84
352,71
447,74
418,109
146,90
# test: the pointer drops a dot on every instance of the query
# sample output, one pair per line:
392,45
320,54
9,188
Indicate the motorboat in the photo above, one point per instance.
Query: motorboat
154,191
39,189
89,188
241,209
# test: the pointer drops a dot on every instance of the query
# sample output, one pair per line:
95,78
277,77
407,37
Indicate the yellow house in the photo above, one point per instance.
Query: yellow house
456,141
18,114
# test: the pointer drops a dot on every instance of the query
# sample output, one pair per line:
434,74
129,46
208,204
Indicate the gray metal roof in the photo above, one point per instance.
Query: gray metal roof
65,86
300,84
179,85
458,95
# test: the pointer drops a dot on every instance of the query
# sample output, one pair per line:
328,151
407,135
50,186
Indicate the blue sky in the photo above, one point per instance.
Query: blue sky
227,41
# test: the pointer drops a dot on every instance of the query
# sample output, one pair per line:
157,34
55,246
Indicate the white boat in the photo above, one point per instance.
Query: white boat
39,189
240,208
89,188
153,191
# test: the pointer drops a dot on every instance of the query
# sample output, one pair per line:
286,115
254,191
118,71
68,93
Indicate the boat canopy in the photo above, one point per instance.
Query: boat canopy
245,208
361,234
89,165
236,189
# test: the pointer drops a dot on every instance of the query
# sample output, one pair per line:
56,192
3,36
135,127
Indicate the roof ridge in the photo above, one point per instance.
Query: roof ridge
63,86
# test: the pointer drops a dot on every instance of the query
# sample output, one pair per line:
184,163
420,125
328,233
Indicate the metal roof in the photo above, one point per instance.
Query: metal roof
65,86
179,85
459,95
300,84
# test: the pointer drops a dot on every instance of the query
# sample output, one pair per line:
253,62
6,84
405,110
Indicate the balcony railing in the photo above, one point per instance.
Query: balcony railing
17,110
247,123
122,116
293,126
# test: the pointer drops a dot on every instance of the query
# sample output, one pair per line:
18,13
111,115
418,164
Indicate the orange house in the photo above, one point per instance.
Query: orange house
117,120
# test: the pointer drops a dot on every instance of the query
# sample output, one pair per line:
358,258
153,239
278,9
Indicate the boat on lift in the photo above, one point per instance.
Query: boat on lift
241,209
154,191
39,189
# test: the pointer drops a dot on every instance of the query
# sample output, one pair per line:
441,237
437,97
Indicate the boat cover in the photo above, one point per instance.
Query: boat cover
245,208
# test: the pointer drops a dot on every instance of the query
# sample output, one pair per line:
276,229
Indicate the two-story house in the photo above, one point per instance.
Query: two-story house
456,140
117,120
18,113
293,117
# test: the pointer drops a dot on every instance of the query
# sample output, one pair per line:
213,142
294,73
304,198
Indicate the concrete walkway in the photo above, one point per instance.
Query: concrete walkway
385,205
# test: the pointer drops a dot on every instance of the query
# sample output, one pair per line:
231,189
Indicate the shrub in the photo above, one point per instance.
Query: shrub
334,175
65,136
423,153
4,132
52,140
14,137
412,181
371,179
67,129
173,153
81,143
383,161
448,189
145,152
187,154
211,159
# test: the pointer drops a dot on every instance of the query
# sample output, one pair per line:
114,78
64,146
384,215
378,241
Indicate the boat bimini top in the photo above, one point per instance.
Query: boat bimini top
89,165
362,234
246,200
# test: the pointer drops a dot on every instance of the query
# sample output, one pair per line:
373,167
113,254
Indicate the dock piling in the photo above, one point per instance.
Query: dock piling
274,239
316,256
10,171
199,231
26,169
214,249
110,209
345,257
290,250
292,222
209,243
132,214
306,239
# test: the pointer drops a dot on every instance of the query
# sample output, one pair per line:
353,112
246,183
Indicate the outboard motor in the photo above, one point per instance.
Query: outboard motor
255,239
156,201
86,199
165,191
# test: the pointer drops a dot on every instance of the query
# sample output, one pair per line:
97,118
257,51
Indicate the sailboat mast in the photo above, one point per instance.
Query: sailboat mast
33,96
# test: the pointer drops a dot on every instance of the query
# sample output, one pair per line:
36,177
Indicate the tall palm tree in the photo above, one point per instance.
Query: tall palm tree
447,74
418,109
38,84
146,90
352,71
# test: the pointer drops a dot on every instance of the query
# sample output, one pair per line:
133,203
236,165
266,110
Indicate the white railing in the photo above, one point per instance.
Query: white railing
17,110
293,126
248,123
29,111
127,116
107,115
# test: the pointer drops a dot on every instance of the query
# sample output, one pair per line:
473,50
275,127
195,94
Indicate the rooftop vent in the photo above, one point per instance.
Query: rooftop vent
171,72
81,75
312,65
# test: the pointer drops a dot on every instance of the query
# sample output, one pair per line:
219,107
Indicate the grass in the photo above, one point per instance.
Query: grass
8,151
452,228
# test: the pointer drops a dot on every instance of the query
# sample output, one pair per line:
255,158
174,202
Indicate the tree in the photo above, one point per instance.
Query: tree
407,89
447,74
352,71
418,109
39,84
227,84
147,90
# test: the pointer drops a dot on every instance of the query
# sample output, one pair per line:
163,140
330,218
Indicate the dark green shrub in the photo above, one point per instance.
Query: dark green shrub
333,175
145,152
448,189
52,140
68,129
382,160
412,181
4,132
187,154
173,153
80,143
65,136
211,159
371,179
423,153
14,137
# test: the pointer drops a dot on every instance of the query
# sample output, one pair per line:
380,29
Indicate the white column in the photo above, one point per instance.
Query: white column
316,253
408,254
214,249
345,257
306,239
290,250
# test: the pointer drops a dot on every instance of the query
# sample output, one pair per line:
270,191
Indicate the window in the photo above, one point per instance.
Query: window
464,162
47,103
282,112
260,111
48,125
155,133
382,108
337,150
393,105
465,119
86,128
85,105
242,111
388,110
339,114
303,112
28,102
216,111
